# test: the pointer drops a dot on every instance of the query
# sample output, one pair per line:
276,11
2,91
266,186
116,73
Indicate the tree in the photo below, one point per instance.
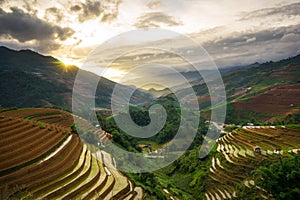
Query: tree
279,179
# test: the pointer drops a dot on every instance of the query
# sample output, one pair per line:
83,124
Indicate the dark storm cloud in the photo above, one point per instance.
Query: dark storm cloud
107,9
288,10
156,19
25,27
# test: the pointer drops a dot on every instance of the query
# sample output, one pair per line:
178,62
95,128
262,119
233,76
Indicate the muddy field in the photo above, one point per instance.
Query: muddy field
281,100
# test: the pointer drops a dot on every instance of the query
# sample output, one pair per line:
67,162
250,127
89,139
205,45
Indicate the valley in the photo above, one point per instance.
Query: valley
149,100
44,156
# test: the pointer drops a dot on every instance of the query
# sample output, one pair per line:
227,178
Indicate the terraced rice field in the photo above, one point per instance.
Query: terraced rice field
88,127
59,118
47,115
235,157
48,161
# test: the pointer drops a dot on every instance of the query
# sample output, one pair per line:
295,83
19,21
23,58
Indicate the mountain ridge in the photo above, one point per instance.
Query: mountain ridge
56,80
246,87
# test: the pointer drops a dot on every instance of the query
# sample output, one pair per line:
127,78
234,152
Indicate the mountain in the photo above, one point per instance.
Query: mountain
157,93
256,92
29,79
260,92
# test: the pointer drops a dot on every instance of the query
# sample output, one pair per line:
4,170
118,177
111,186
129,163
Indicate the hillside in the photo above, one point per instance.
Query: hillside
33,80
261,92
236,158
39,141
47,160
228,167
277,100
256,94
29,79
60,118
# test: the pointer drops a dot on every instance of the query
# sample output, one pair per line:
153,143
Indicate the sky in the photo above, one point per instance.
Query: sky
232,32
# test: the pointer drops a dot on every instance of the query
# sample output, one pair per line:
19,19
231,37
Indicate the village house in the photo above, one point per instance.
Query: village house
257,149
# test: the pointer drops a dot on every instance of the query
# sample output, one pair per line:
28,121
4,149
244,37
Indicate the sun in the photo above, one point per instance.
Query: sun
67,62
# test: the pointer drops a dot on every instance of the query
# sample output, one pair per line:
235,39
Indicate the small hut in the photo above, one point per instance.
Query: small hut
257,149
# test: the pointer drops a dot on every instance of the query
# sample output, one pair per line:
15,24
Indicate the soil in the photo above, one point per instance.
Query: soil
281,100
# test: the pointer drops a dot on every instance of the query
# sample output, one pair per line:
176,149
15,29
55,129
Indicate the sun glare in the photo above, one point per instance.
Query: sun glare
64,65
66,62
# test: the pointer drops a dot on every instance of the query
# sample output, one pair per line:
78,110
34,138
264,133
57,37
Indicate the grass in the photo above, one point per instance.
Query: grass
295,72
267,83
41,115
294,126
42,124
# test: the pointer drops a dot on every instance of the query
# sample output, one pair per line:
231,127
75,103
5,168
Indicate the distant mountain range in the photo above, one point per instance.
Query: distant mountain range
258,91
29,79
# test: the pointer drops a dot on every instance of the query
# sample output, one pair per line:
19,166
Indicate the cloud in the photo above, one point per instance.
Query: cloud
90,10
29,6
253,39
111,11
156,19
154,4
23,27
290,37
260,35
54,14
234,49
75,8
107,10
261,45
288,10
109,17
